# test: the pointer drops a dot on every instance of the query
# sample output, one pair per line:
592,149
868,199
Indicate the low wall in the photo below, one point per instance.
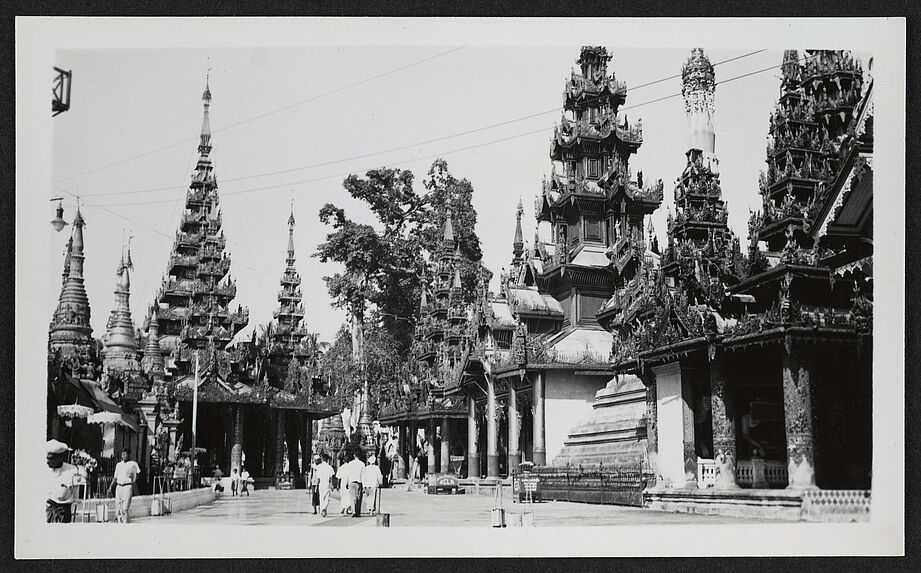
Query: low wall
140,504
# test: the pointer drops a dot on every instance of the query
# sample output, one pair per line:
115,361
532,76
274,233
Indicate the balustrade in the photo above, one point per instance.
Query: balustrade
775,473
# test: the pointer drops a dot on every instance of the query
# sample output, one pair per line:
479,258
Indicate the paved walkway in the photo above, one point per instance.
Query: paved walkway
271,507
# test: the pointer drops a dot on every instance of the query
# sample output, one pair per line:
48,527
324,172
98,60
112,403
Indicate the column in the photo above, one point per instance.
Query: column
473,455
514,447
652,427
306,442
797,403
279,443
540,446
236,450
690,451
432,465
722,414
445,445
492,451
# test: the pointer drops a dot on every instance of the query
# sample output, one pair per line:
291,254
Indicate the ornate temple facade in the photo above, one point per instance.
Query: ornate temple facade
256,399
439,343
758,368
538,354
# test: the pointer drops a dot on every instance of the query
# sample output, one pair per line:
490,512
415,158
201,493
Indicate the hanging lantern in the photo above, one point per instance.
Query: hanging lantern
74,411
58,222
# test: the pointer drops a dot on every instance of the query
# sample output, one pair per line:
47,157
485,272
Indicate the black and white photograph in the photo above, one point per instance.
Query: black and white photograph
472,286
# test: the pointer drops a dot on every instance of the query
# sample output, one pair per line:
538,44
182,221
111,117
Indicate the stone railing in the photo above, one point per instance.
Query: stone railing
750,473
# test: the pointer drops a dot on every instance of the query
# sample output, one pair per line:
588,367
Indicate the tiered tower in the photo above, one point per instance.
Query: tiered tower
443,327
700,244
595,211
70,332
288,335
121,347
818,95
194,300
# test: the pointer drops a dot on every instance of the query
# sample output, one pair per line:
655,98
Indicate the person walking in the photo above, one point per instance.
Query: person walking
126,472
356,467
313,484
371,480
244,482
323,475
345,496
60,479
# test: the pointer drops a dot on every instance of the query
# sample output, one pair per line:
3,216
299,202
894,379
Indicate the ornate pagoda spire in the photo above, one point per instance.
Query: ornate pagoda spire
518,244
120,340
197,290
448,237
290,313
698,87
153,362
70,331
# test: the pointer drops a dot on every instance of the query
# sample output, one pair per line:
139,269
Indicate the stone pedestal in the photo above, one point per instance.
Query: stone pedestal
445,445
473,454
540,445
797,402
514,447
492,431
724,427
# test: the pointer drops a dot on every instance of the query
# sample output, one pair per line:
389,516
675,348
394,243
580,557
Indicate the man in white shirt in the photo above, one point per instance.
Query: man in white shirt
60,496
356,467
345,495
126,472
371,479
322,476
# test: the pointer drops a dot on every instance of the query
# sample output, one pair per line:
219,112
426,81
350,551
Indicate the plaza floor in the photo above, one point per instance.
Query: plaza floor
417,509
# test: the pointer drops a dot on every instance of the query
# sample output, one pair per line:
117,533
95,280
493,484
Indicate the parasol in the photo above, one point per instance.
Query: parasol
106,418
74,411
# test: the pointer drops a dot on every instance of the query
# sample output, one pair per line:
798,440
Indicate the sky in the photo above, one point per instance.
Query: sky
127,146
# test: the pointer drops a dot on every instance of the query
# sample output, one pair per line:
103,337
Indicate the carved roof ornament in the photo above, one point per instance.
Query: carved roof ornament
698,82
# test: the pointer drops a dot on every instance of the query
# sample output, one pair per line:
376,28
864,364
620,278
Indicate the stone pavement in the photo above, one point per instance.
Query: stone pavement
408,509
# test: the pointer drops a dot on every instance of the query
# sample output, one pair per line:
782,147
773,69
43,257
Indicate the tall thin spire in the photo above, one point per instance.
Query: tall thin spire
120,340
153,362
449,231
291,232
204,147
518,244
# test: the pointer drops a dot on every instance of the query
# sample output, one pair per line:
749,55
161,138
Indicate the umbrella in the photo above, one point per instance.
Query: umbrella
74,411
105,418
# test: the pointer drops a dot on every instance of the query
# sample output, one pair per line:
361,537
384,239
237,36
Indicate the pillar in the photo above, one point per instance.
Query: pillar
473,455
652,427
492,446
540,445
292,438
171,425
306,442
279,442
514,447
445,445
236,449
690,450
797,403
722,415
432,465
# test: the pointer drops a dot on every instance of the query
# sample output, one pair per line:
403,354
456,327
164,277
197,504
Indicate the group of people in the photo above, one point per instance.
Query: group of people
239,481
63,479
356,480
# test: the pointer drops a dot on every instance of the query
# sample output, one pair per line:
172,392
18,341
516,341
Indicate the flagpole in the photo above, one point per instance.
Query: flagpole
194,422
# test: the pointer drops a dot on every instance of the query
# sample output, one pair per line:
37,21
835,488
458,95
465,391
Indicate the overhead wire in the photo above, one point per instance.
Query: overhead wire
266,114
433,140
442,153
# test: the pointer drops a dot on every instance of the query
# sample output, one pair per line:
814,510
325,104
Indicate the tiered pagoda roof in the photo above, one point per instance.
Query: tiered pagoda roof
193,304
70,333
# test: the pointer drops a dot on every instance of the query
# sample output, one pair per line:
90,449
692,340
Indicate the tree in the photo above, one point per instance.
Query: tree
381,268
447,194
